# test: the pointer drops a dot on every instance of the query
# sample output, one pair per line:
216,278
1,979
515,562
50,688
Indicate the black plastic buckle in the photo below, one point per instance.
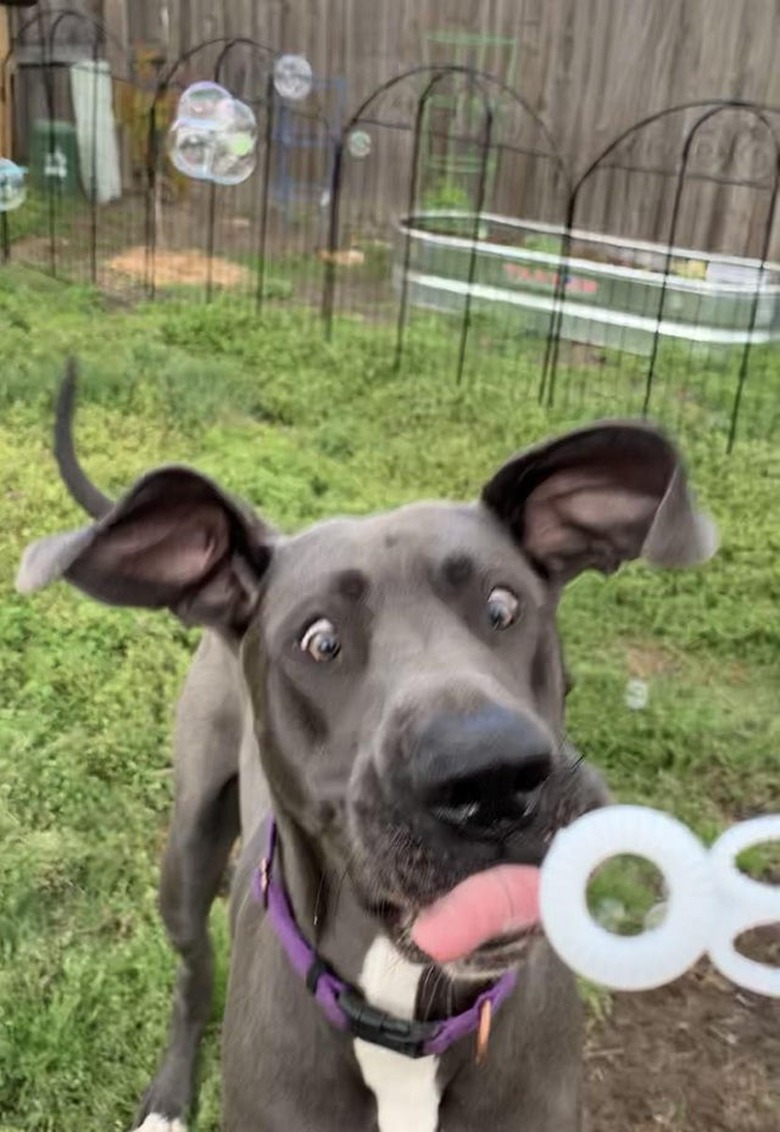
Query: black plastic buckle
318,968
396,1034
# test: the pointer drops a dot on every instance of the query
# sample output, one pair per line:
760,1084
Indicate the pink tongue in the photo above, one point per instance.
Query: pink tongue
494,903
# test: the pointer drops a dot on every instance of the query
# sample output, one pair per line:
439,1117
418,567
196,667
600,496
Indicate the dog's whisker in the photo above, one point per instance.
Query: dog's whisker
449,985
342,878
437,979
427,984
318,899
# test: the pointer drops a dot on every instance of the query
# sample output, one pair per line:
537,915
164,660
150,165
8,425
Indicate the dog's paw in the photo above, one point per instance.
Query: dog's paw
156,1123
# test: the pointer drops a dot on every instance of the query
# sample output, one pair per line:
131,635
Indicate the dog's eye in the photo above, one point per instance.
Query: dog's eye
503,608
321,641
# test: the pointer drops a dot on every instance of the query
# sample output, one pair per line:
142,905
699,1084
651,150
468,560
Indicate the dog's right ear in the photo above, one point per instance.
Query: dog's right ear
601,496
174,541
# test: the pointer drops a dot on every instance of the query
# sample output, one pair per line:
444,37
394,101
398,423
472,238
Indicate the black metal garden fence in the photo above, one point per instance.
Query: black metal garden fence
644,284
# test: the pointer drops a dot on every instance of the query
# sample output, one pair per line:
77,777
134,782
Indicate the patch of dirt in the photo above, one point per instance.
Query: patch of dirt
31,249
648,660
346,257
645,660
581,354
183,268
697,1056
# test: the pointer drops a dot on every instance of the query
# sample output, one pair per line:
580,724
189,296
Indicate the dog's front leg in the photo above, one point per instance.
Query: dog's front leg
204,826
284,1067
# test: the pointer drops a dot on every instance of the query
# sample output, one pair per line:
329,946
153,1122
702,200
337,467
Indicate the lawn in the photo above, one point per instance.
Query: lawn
304,430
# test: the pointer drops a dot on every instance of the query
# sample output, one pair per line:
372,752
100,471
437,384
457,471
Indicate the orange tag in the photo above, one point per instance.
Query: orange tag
483,1031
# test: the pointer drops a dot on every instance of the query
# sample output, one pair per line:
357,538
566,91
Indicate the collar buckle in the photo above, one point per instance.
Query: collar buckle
396,1034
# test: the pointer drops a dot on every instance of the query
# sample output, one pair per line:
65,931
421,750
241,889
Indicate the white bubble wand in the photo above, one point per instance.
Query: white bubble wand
710,901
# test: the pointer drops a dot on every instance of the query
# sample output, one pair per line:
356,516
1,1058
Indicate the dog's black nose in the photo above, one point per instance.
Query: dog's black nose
478,772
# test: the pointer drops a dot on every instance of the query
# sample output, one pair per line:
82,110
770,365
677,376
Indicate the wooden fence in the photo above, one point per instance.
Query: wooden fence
589,68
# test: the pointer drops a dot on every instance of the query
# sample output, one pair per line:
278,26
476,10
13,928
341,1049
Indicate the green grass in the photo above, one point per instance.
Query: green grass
303,429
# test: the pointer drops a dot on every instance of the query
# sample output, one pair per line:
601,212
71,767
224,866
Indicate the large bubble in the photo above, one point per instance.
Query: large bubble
13,190
214,136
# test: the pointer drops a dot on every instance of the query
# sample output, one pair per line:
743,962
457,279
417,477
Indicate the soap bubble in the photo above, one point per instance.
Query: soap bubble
611,914
234,156
13,190
637,695
359,144
656,915
204,102
214,136
293,77
189,148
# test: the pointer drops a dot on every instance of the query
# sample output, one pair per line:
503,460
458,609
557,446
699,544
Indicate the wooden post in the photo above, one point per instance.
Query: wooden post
6,110
115,22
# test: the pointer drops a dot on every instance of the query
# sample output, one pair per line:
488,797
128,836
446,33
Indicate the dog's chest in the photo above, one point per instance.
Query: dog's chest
406,1090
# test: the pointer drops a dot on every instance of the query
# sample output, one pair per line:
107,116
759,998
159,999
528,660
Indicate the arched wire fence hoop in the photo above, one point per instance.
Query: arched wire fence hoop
486,135
50,23
57,17
426,83
682,174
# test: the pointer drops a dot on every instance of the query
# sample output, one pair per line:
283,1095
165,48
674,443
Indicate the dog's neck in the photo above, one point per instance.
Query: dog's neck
334,921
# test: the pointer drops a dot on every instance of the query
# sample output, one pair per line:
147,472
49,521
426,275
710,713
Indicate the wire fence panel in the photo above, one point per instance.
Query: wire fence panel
441,205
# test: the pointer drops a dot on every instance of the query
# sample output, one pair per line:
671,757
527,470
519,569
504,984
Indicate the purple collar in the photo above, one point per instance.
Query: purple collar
344,1007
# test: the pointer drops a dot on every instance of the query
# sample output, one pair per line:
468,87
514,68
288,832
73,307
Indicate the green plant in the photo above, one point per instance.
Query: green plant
448,196
32,217
378,260
543,242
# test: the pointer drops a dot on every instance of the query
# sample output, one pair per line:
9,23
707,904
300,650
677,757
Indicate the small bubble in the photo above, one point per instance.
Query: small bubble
637,695
293,77
611,914
359,144
13,190
656,915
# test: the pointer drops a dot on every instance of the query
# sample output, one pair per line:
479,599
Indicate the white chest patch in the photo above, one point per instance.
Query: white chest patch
156,1123
406,1090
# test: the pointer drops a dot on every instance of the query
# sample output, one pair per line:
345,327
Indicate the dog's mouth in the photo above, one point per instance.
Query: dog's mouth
478,929
493,958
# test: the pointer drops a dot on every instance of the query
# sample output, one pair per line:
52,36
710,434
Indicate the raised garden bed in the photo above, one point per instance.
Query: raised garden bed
614,287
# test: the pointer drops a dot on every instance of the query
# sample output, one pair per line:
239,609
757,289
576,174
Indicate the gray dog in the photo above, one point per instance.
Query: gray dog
376,707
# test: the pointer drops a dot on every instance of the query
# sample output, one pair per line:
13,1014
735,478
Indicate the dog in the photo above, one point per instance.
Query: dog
376,709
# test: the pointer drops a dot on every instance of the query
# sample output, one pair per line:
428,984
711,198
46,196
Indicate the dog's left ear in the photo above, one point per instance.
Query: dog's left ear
175,541
599,497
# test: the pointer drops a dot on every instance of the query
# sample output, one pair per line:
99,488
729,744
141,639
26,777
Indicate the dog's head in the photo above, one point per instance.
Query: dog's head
405,668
